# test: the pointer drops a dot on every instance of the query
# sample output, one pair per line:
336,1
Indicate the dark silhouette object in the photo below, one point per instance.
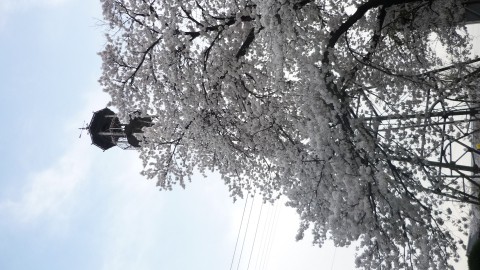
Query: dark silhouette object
474,257
107,131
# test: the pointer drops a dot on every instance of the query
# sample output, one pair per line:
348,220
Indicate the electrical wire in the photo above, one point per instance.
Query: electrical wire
255,236
265,233
238,235
246,231
271,236
333,260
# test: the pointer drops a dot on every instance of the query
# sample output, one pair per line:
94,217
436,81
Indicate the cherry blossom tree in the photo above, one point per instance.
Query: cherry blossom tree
348,108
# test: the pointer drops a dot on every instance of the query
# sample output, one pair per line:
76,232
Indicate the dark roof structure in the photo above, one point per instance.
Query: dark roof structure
135,127
104,120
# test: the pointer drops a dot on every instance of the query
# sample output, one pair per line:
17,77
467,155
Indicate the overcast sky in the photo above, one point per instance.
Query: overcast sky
65,204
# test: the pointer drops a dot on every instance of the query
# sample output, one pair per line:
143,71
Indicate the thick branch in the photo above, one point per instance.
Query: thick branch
217,27
361,11
248,41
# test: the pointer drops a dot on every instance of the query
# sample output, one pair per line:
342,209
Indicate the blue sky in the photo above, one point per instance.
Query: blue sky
65,204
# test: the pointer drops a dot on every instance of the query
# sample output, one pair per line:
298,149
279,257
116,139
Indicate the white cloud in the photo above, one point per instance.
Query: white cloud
50,193
133,219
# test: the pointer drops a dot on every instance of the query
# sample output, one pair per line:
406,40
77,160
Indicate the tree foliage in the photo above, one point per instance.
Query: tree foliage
337,105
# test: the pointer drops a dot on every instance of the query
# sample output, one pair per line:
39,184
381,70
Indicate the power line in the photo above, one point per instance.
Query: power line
271,237
239,230
246,231
265,239
270,225
333,260
255,236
